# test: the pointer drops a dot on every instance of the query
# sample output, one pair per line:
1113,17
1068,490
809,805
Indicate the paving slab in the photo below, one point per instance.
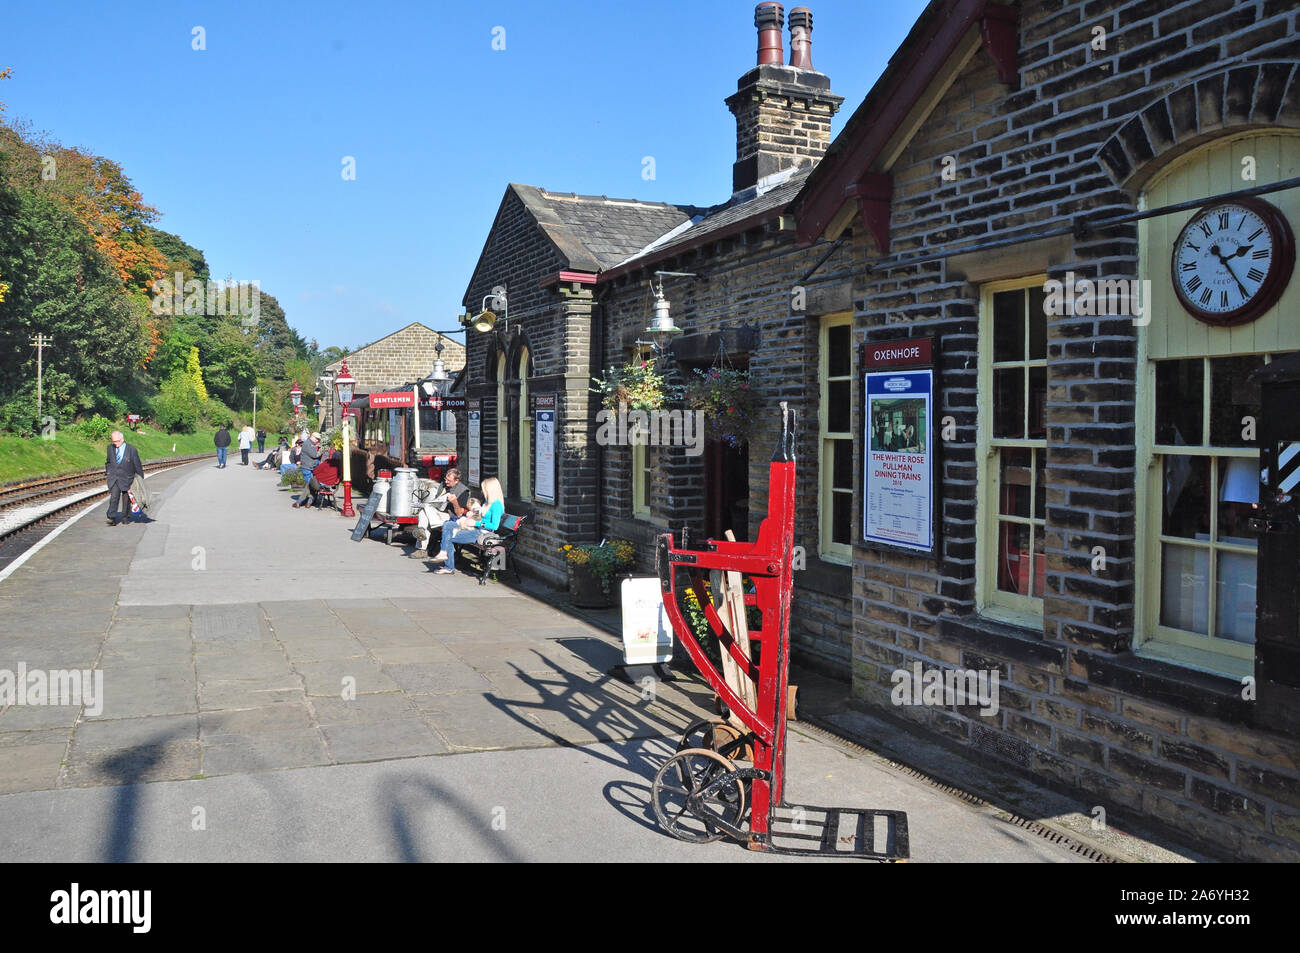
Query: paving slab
439,678
166,761
364,709
474,722
260,751
31,767
336,677
379,740
220,695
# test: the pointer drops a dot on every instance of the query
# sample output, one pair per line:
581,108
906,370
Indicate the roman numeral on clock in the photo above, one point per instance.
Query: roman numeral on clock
1194,283
1205,227
1255,234
1223,299
1189,266
1255,274
1261,254
1223,219
1206,295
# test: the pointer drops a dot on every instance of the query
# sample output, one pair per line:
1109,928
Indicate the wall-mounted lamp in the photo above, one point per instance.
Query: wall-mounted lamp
485,320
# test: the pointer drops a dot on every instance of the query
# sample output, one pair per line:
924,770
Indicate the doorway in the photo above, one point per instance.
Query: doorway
726,490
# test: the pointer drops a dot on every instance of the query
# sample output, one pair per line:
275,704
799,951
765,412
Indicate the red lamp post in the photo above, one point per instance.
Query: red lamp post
343,385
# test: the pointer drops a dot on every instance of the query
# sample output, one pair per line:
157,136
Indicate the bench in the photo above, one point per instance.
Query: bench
482,557
326,497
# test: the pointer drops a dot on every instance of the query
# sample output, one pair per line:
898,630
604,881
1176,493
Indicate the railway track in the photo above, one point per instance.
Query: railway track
15,497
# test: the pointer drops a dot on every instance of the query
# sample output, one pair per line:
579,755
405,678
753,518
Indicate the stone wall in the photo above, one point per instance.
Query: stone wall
1077,708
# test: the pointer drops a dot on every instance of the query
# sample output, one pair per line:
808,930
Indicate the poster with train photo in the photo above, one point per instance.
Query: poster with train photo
898,497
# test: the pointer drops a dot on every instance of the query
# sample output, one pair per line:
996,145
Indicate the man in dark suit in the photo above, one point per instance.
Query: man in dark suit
121,467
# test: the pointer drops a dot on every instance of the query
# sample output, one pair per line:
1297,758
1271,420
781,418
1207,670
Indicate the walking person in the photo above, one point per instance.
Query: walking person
466,530
261,440
222,442
120,468
245,445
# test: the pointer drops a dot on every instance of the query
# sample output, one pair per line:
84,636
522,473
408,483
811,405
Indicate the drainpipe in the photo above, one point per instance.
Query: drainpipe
598,370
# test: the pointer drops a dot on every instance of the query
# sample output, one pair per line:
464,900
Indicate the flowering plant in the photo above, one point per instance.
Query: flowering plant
638,384
605,560
728,401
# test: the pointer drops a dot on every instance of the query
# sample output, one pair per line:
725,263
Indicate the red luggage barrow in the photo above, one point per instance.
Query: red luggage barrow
706,790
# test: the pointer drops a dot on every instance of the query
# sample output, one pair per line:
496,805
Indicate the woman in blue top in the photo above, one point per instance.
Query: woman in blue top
464,530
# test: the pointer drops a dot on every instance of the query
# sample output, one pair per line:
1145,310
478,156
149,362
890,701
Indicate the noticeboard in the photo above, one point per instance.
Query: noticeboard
545,411
474,409
900,459
367,515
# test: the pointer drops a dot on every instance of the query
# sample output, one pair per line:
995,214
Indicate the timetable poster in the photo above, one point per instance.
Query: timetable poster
898,484
544,449
475,414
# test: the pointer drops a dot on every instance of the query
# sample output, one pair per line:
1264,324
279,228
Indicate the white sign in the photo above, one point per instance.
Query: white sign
475,442
394,435
647,633
897,491
544,450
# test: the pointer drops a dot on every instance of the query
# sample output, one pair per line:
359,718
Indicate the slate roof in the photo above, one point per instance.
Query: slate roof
594,232
719,218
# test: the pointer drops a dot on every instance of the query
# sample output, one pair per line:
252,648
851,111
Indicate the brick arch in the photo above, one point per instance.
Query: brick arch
493,354
1234,99
517,348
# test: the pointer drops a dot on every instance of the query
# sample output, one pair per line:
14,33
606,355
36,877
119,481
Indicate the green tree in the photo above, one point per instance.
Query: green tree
194,374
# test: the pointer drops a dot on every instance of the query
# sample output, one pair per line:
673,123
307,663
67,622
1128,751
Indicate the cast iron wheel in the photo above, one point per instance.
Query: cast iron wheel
718,735
689,771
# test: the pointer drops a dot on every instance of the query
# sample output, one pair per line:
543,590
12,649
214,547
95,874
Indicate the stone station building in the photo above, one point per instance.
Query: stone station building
1094,464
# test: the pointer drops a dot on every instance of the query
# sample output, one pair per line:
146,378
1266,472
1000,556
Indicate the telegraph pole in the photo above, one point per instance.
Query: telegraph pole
41,342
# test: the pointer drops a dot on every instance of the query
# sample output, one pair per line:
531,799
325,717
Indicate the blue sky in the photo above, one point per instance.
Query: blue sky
241,145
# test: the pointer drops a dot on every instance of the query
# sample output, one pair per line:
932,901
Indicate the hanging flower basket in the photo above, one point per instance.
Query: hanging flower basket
728,401
637,384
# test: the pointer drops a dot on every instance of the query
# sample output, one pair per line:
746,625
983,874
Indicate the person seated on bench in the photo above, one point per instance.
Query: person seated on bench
458,531
326,474
291,463
438,511
272,459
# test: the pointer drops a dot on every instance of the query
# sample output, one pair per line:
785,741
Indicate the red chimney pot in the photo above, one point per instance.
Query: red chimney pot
801,38
769,18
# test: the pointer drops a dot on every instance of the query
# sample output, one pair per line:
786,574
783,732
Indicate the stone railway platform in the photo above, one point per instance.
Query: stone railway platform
274,691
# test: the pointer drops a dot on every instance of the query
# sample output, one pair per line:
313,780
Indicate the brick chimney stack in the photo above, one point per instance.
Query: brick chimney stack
783,113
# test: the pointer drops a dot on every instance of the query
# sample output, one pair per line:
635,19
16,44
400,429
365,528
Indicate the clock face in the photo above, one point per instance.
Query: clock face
1232,261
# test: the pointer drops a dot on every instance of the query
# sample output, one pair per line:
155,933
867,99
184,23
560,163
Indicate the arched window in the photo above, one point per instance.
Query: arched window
503,426
525,430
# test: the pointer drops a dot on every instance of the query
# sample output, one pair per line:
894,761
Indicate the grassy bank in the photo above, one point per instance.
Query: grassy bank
23,458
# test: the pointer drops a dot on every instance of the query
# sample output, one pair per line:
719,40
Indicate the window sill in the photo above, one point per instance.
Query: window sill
1025,619
825,577
1198,660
